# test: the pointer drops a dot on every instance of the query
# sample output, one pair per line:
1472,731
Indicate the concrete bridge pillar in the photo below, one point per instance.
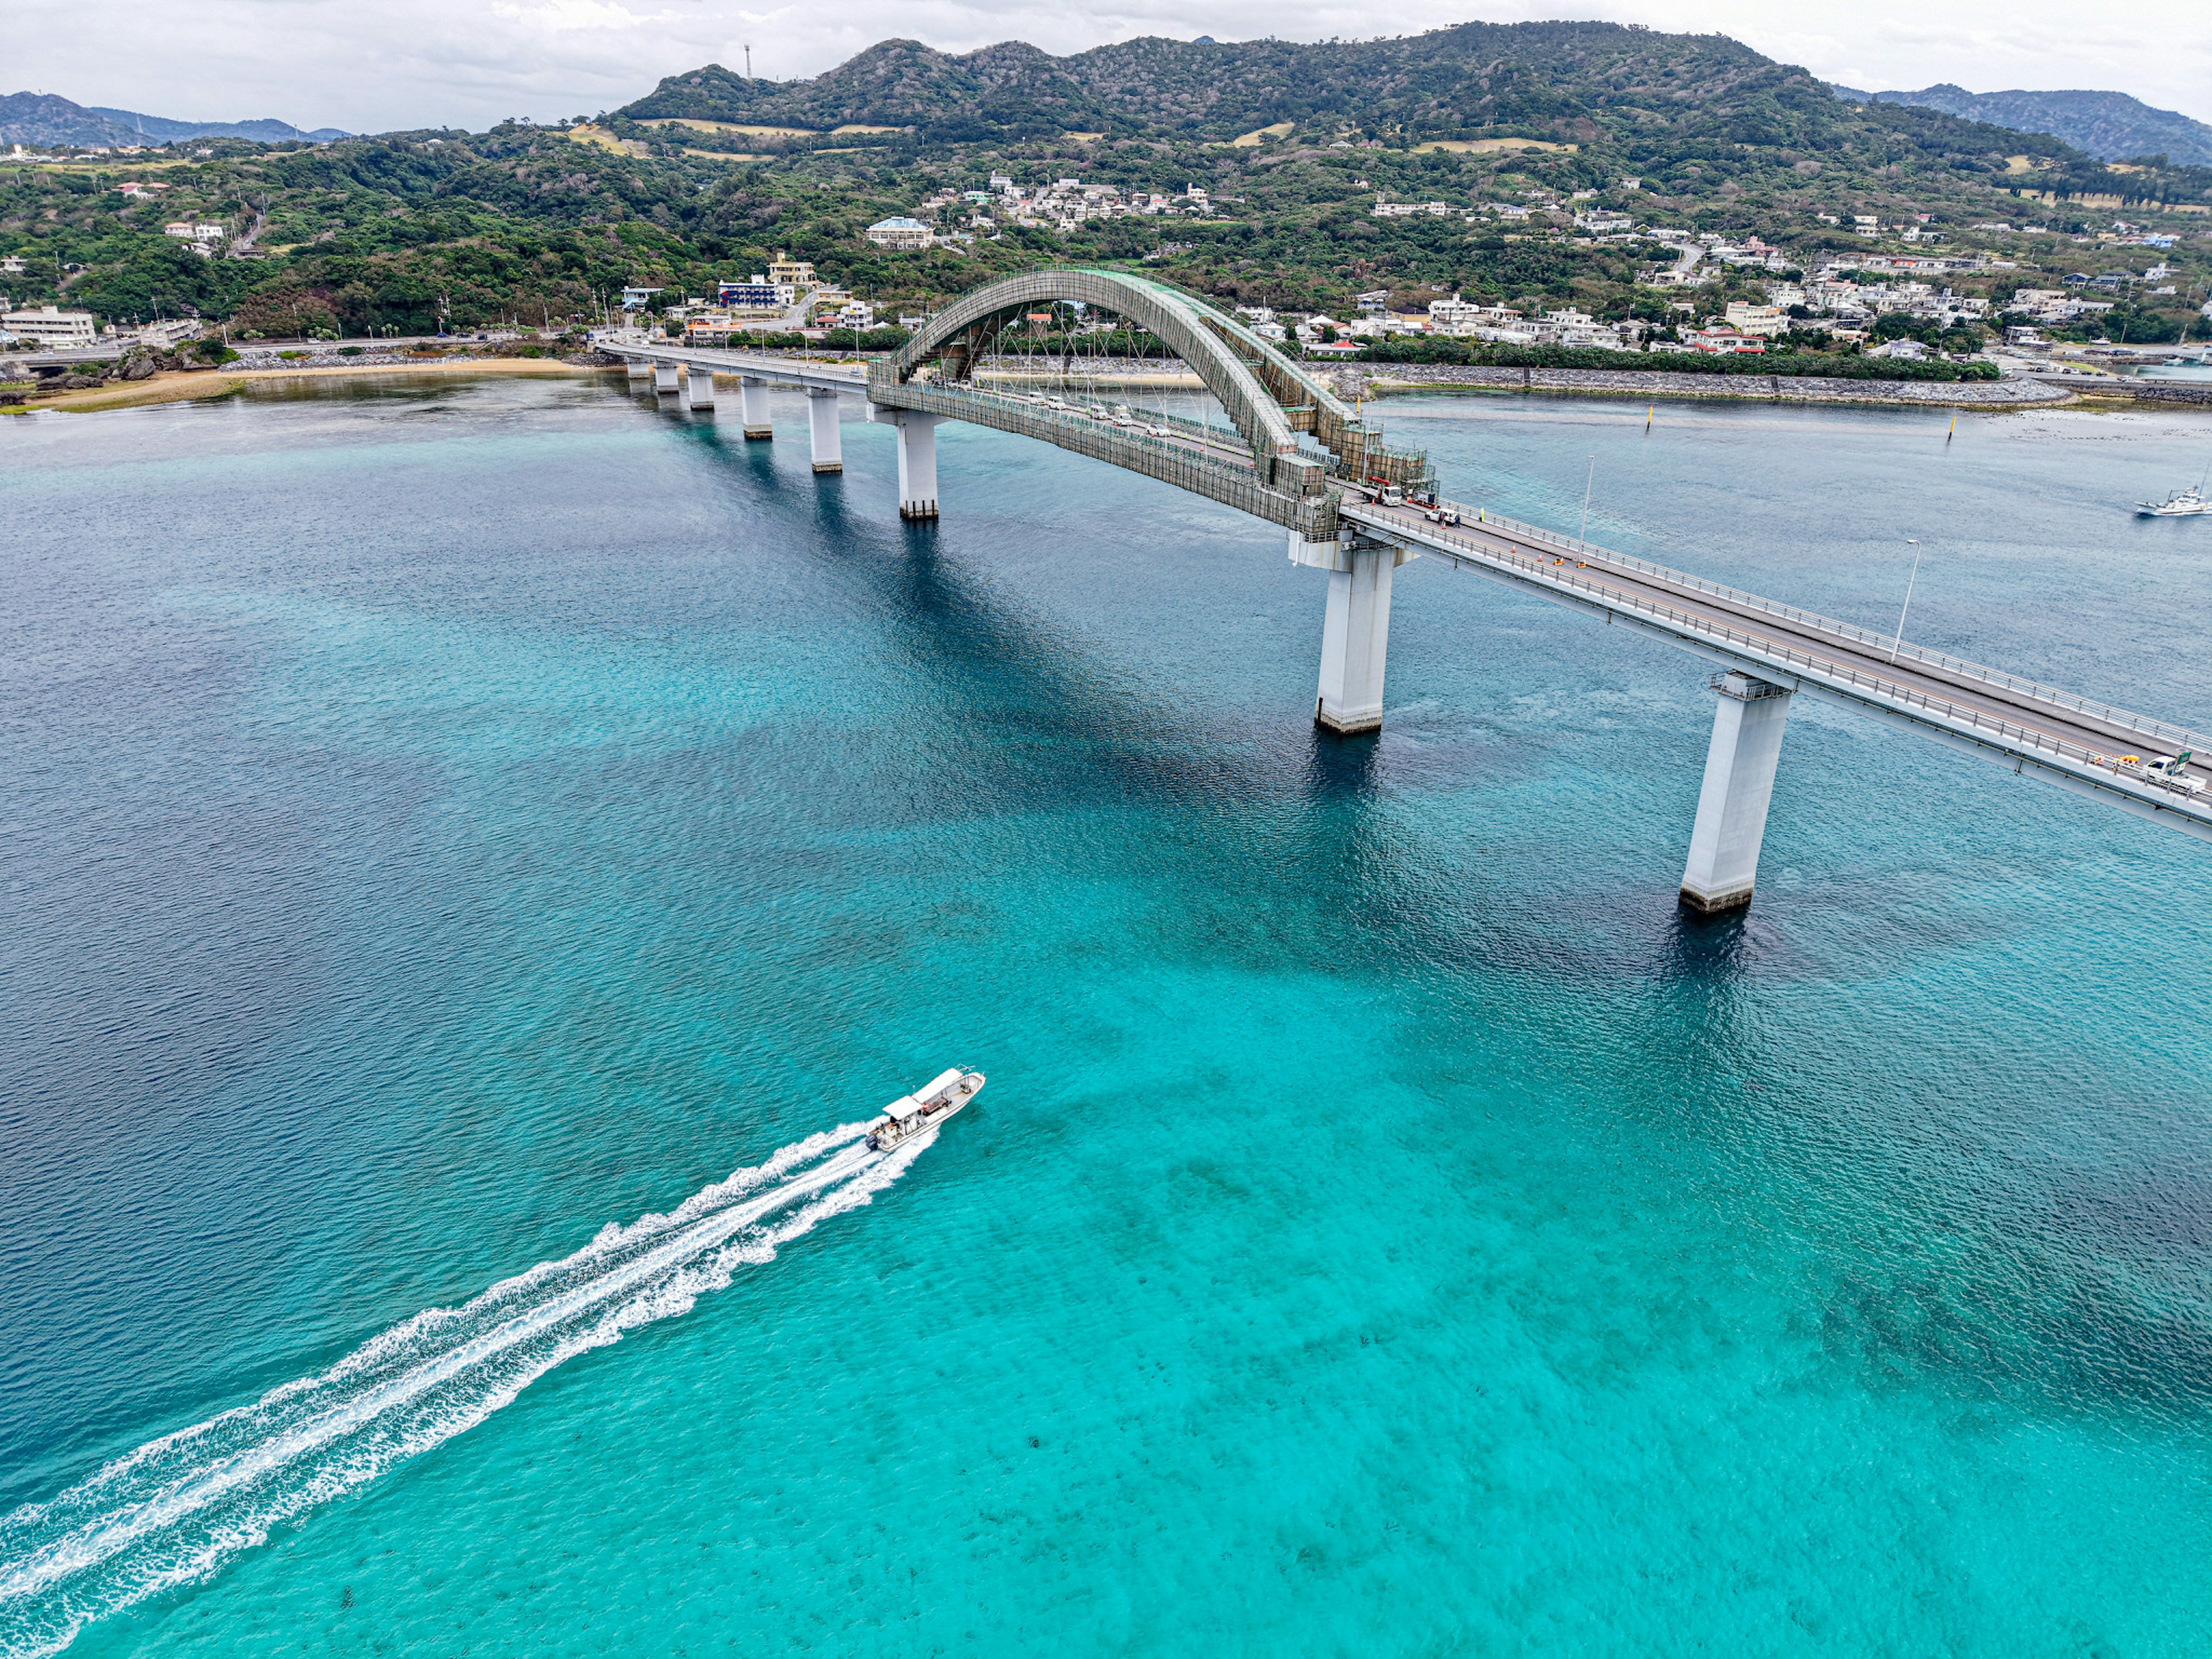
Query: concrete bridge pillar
699,388
1739,782
917,465
821,426
639,369
752,399
1355,633
663,379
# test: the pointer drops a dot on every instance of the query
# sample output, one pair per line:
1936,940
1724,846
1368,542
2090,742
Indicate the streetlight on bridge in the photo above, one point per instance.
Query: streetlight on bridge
1895,643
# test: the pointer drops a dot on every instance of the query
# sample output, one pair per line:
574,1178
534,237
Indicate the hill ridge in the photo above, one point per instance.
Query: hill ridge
2112,126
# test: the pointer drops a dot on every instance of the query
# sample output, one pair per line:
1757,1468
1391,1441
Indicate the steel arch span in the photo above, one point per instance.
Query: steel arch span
1269,399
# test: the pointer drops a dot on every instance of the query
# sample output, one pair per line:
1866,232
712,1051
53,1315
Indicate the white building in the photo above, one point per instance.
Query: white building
163,335
50,325
1756,322
900,234
1458,316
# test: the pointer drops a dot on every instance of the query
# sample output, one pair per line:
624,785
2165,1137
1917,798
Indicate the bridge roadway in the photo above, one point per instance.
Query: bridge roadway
2079,744
1213,462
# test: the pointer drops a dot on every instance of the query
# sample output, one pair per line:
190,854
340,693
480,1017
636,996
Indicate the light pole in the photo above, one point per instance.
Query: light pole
1907,605
1583,538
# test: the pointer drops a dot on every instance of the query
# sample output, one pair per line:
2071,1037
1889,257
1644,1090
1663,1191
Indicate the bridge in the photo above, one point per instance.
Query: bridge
1295,454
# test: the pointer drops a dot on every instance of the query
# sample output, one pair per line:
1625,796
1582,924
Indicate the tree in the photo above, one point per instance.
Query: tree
283,311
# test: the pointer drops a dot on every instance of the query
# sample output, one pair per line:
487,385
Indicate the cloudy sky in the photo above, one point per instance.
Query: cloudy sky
429,63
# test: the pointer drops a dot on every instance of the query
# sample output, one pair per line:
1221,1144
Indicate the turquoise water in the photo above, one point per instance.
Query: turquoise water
442,822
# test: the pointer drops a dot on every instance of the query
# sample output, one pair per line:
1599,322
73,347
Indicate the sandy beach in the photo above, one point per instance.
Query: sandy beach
179,385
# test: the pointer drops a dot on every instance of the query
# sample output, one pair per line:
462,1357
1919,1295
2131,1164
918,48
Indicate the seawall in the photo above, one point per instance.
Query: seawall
1376,379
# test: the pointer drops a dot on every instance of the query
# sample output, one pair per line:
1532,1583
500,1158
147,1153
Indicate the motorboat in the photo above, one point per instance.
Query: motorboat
2187,504
919,1112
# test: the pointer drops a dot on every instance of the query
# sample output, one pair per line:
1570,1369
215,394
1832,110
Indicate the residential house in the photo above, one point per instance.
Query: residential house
1723,341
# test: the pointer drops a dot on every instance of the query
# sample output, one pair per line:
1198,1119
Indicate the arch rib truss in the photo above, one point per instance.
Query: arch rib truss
956,335
1269,399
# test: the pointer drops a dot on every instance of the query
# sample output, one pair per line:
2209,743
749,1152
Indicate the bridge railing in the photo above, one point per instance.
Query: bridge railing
1233,480
1777,652
2179,737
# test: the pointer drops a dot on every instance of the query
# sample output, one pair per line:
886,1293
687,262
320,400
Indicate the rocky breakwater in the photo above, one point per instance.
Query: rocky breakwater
136,363
1374,380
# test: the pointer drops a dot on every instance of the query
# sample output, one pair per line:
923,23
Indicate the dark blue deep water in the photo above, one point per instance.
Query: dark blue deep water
442,824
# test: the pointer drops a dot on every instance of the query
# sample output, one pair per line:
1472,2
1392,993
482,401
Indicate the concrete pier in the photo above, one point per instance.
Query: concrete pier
1739,782
699,388
639,370
663,379
752,399
917,465
821,426
1355,638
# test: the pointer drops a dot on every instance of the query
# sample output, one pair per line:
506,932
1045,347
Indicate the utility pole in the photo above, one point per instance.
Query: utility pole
749,63
1583,537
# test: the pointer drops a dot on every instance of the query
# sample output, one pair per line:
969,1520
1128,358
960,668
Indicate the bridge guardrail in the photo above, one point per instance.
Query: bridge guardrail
1231,482
1960,714
2179,737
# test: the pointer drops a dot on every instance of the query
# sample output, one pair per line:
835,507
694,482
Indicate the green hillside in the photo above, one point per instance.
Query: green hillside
1685,135
1564,82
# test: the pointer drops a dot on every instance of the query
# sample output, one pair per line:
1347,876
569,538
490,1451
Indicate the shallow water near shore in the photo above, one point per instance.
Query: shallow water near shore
447,823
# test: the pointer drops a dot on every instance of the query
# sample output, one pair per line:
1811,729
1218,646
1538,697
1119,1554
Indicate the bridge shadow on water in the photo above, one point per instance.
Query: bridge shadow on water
1028,715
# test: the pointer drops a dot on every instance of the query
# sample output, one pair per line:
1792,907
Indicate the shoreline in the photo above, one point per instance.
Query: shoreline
187,384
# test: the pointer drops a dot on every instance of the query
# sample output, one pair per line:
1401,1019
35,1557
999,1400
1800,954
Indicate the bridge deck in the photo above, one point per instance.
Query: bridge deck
2072,739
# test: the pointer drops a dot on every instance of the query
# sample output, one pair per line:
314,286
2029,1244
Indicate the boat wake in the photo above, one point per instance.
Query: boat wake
174,1510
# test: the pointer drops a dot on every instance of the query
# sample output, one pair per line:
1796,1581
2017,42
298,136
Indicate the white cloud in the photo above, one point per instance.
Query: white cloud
424,63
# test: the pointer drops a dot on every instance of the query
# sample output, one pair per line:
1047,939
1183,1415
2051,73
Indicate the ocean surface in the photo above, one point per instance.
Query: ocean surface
472,852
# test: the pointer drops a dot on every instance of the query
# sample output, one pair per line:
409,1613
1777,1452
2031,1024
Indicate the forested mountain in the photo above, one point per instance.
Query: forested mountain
1509,131
2109,125
1556,81
37,117
40,118
160,130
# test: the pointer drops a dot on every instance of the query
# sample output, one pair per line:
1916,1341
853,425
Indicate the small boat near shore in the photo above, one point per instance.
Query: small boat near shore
925,1108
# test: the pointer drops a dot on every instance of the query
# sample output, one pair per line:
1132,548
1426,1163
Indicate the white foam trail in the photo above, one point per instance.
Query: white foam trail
177,1507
